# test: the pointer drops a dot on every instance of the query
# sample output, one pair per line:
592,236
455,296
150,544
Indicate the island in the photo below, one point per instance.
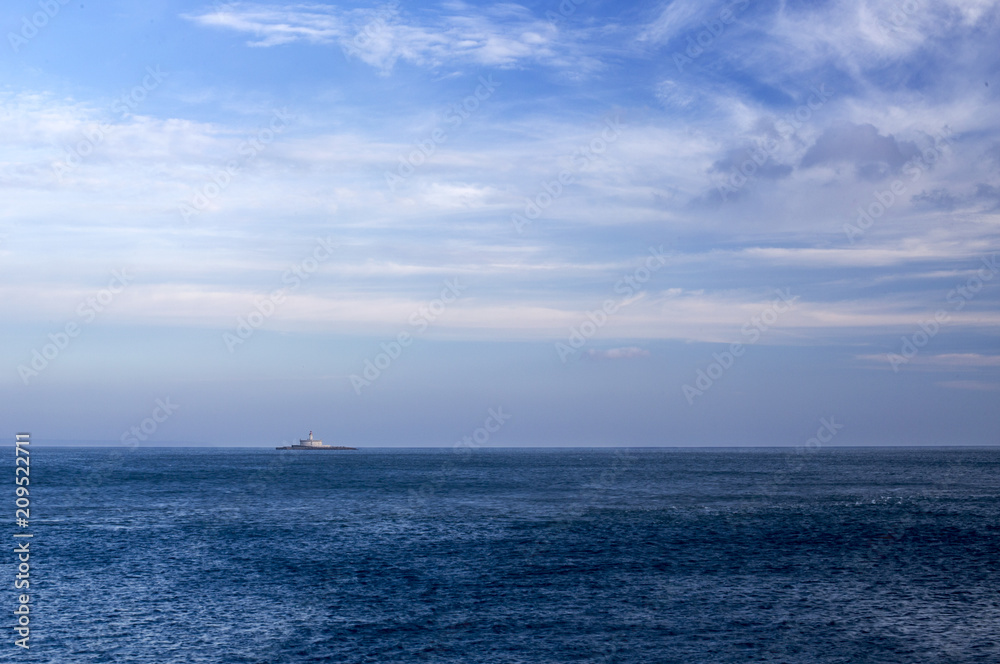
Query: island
312,444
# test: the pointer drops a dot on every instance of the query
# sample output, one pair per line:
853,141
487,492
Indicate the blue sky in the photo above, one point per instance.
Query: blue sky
627,223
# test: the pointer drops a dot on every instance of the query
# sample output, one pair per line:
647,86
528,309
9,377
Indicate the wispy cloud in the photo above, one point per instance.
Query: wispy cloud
504,35
977,385
946,362
451,217
625,353
957,360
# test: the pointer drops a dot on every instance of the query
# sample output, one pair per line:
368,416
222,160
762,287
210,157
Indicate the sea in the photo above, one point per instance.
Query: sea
259,556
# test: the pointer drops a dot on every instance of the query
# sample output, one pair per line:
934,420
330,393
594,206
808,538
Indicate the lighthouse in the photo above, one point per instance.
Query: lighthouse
310,442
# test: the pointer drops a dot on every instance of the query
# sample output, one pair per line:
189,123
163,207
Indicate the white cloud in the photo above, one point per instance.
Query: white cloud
502,36
675,17
346,298
946,361
858,34
451,216
626,353
965,360
978,385
672,94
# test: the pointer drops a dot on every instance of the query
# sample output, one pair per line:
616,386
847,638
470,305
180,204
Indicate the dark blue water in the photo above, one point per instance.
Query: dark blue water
260,556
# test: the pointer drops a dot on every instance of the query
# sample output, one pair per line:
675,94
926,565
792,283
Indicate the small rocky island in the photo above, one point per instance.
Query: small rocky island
312,444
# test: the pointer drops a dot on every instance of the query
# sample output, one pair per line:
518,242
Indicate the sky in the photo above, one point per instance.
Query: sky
575,223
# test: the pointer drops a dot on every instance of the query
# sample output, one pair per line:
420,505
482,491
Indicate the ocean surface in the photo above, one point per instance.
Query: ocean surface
258,556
